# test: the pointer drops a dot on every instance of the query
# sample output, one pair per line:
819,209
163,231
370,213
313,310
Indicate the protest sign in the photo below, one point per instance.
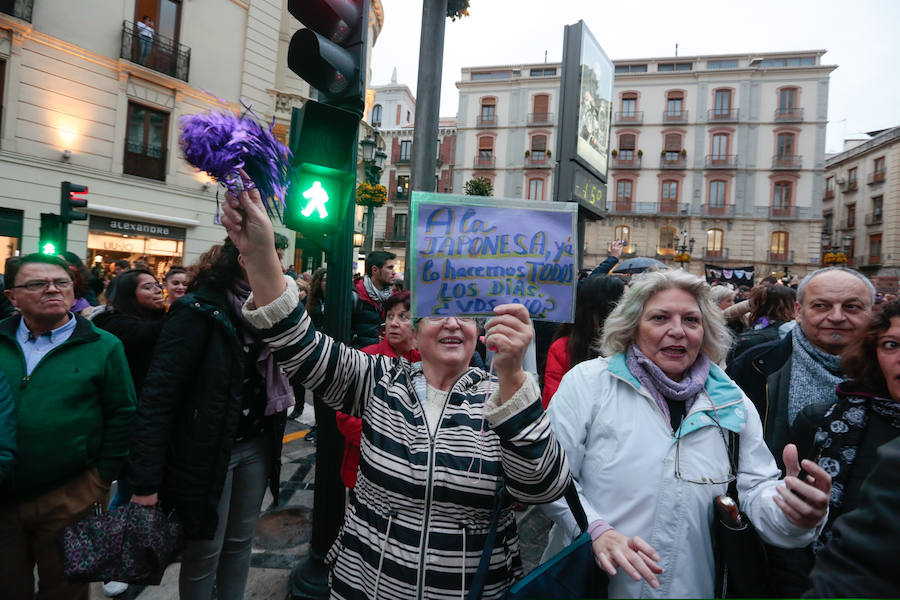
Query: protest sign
469,254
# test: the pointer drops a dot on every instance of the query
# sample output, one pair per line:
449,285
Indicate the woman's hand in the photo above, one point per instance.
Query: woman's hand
250,229
508,335
637,557
150,500
804,503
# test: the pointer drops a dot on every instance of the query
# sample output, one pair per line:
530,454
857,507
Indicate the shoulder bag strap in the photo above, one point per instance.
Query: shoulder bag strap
734,454
485,562
575,506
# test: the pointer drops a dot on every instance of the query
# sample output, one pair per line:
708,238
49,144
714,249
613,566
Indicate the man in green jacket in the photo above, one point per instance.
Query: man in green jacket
75,404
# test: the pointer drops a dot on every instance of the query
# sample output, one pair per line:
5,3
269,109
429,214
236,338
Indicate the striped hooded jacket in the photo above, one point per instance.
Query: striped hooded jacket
423,504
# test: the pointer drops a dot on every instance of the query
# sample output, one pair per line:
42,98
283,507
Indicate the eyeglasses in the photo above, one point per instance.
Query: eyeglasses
148,287
459,319
44,284
716,480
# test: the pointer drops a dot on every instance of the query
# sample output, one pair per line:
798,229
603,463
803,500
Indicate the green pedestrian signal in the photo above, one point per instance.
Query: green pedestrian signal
50,235
317,199
48,248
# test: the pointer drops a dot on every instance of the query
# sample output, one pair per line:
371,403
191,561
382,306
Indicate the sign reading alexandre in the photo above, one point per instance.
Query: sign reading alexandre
138,228
470,254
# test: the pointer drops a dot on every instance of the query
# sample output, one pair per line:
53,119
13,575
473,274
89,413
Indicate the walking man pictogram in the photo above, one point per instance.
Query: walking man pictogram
317,197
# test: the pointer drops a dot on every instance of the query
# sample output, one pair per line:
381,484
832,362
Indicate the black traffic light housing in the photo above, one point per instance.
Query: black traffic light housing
50,237
330,54
69,201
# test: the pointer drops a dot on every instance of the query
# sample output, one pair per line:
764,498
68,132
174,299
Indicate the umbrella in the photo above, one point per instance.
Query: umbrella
638,265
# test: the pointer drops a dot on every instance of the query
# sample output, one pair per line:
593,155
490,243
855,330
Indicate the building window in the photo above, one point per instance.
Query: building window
538,148
829,187
787,101
669,67
485,151
672,147
778,249
720,147
485,75
535,188
403,187
875,249
397,120
877,208
376,115
405,150
623,194
878,174
674,104
714,239
852,182
781,199
721,64
717,195
851,215
631,68
722,103
551,72
669,199
488,115
798,61
400,221
626,147
145,148
828,226
666,241
629,105
623,232
540,106
785,146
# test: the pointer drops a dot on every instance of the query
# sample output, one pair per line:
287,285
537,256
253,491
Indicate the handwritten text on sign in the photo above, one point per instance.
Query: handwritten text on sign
470,258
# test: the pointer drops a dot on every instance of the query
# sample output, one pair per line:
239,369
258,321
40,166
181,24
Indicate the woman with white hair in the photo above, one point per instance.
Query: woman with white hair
646,434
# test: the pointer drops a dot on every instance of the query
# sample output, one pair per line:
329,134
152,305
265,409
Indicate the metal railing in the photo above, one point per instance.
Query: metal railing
721,210
486,121
780,257
788,115
158,53
852,186
721,161
877,177
669,207
145,160
20,9
874,218
722,115
617,162
483,163
829,194
635,117
673,163
721,254
786,162
544,118
532,161
783,212
675,117
630,207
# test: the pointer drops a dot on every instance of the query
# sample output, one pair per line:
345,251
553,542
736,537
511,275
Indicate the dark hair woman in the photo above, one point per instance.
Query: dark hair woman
315,302
574,342
771,306
207,436
845,436
175,282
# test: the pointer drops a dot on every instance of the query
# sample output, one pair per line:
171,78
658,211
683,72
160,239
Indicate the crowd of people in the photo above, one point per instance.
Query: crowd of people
178,389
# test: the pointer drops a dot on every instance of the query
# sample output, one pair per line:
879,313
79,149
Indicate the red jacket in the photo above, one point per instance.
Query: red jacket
351,427
557,366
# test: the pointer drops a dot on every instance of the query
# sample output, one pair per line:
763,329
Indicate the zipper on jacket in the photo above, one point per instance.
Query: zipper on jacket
766,416
25,381
420,587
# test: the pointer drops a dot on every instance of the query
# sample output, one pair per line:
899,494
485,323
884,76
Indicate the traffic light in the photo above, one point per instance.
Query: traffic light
331,53
69,201
50,240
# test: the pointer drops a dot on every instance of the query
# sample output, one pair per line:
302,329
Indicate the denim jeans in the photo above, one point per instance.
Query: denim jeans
225,559
144,46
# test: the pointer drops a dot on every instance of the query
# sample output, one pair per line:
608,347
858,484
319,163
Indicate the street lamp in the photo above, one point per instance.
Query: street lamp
373,160
684,249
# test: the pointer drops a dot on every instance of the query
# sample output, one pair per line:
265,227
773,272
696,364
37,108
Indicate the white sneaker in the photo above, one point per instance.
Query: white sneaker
111,589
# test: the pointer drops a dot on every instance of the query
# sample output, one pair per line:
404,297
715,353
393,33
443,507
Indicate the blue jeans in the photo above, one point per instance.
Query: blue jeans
123,493
225,559
144,45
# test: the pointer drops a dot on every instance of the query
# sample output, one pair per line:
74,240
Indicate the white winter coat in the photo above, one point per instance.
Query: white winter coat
622,454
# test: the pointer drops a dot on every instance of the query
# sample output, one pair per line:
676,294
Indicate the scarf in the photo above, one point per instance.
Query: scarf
661,387
839,437
377,296
814,375
279,396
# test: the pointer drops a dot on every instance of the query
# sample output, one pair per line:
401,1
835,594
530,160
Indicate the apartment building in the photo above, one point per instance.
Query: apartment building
727,150
393,118
86,100
861,206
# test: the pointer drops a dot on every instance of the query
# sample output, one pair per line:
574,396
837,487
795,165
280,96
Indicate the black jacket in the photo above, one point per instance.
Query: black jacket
861,559
366,317
751,338
138,336
189,410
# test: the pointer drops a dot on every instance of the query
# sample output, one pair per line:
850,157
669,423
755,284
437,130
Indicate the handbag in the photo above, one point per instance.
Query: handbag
132,544
570,573
741,563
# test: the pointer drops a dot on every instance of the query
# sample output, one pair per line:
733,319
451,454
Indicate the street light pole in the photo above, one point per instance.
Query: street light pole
373,159
683,250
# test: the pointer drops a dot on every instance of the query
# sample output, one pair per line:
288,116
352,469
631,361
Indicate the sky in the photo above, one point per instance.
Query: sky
859,35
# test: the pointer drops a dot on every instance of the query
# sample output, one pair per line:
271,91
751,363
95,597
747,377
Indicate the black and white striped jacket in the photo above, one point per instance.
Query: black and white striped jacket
422,511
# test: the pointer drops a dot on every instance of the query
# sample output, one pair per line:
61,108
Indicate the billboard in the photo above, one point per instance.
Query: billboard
594,104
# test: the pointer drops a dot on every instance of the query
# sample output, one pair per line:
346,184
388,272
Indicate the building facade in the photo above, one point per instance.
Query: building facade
727,150
861,207
87,99
393,118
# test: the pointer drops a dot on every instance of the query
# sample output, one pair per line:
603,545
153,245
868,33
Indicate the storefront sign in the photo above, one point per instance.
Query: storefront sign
470,254
100,224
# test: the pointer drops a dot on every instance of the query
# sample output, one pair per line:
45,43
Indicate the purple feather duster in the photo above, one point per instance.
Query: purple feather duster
220,143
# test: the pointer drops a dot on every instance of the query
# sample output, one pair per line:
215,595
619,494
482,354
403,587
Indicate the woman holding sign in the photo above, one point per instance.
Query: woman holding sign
647,430
438,436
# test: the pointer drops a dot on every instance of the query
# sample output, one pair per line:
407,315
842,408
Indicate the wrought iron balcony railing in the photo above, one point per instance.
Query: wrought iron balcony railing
158,53
21,9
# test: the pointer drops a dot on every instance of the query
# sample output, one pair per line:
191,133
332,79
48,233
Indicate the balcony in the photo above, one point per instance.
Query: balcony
483,162
402,160
717,210
720,254
722,115
874,218
877,177
617,162
635,117
787,162
721,161
829,194
628,207
536,162
540,119
675,117
20,9
668,207
144,160
630,251
783,212
780,258
788,115
486,121
852,186
402,197
847,224
160,54
679,162
873,260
